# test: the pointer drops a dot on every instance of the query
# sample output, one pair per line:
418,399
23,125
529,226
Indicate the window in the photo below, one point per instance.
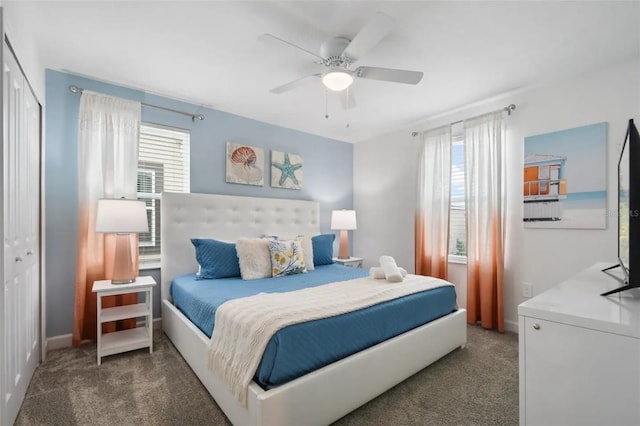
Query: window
163,165
457,215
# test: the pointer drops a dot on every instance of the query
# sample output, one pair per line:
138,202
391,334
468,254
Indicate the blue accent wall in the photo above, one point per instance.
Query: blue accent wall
328,173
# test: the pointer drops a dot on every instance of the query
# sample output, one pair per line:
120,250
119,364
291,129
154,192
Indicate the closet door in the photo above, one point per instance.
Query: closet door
21,235
32,229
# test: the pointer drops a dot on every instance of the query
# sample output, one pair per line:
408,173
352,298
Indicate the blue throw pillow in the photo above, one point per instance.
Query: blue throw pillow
323,249
217,259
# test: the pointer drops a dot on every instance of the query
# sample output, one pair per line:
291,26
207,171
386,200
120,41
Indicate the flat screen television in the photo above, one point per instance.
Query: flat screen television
629,210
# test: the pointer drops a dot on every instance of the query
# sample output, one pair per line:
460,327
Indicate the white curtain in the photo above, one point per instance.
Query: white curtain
485,182
434,194
108,133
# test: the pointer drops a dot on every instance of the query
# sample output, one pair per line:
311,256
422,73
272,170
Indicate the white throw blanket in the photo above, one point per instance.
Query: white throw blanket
244,326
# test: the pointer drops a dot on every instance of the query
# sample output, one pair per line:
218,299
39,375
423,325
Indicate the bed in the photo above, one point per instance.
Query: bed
317,397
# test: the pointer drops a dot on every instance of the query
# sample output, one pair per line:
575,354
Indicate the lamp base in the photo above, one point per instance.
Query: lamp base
343,252
123,270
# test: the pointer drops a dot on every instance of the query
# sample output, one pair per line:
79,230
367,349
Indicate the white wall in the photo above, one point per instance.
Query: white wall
385,170
384,180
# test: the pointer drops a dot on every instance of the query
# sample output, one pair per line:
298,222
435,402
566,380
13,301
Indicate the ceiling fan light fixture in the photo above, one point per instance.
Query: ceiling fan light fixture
337,80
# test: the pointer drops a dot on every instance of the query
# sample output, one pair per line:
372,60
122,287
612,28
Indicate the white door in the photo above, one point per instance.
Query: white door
21,236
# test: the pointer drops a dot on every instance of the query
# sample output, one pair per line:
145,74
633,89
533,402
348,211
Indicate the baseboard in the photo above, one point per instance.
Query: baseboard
57,342
64,340
511,326
157,324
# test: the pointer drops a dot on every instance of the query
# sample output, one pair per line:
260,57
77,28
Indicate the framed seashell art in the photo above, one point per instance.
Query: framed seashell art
245,164
286,170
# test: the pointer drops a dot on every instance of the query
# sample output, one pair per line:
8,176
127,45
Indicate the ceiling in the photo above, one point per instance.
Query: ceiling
209,52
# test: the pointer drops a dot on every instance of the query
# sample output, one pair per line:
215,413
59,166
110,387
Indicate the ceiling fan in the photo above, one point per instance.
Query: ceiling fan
338,54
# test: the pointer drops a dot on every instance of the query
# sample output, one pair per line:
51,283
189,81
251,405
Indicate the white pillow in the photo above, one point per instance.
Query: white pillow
307,248
254,257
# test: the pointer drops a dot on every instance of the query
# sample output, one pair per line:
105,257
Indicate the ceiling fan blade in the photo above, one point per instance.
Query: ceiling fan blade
389,74
271,37
347,99
370,35
293,84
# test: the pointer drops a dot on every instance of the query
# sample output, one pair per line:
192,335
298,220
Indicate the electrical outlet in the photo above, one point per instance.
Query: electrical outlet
527,290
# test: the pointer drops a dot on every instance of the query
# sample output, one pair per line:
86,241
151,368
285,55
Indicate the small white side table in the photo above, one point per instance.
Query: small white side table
352,262
133,338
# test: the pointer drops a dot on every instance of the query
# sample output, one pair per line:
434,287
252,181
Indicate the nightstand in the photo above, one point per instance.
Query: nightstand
352,262
133,338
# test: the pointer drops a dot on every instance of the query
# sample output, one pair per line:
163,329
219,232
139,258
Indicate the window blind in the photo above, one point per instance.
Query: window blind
163,165
457,215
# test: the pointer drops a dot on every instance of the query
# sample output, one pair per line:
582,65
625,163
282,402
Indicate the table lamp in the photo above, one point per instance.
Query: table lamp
343,220
122,217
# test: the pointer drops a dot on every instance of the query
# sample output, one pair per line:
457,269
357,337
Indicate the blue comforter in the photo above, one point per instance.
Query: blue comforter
300,348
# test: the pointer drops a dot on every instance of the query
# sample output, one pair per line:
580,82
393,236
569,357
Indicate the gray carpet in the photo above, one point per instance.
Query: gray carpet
477,385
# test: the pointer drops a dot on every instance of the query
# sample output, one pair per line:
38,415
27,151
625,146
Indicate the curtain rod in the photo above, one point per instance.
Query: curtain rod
78,90
508,109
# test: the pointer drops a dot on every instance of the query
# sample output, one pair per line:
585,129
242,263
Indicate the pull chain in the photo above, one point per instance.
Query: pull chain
348,125
326,104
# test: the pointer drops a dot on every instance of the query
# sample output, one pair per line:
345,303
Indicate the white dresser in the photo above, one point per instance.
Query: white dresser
580,353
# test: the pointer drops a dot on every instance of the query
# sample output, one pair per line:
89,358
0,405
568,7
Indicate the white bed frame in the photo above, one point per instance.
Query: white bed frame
317,398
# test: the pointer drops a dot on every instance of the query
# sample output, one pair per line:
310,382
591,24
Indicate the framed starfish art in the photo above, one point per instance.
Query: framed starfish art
286,170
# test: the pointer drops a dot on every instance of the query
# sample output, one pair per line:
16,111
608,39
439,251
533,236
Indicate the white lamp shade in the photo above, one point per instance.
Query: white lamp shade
121,216
343,219
337,80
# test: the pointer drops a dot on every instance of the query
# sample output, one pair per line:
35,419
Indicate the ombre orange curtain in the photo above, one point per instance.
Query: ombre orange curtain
432,213
108,133
485,186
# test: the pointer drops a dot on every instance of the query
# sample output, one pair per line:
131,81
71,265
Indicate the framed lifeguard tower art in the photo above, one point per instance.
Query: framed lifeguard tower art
544,187
565,179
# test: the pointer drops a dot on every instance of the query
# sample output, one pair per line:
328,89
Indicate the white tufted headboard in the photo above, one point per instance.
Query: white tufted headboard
226,218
